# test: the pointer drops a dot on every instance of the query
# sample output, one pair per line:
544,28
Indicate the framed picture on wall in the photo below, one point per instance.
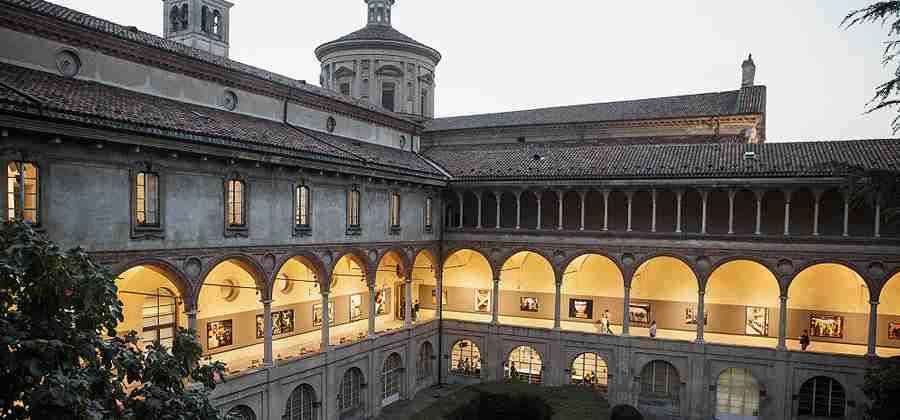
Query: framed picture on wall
581,308
434,297
261,326
757,321
894,330
826,326
355,307
382,300
690,316
639,313
483,300
317,313
219,334
283,322
529,304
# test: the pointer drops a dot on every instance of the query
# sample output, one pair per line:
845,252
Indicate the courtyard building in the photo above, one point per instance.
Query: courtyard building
341,249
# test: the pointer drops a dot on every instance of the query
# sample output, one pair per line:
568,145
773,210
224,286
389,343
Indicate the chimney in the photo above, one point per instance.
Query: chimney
748,70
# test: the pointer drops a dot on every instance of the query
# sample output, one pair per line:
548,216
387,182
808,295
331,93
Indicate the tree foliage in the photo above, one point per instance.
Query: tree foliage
58,310
882,386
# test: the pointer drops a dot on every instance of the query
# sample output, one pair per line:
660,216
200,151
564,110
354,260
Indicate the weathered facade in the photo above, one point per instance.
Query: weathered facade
309,233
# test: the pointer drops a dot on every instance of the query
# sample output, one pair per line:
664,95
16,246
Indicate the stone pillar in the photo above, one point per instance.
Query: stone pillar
679,196
267,325
878,220
538,195
759,198
704,196
192,321
701,315
557,304
846,214
407,310
731,195
372,315
630,196
817,196
495,302
439,292
583,196
653,211
518,209
480,210
782,323
326,322
498,197
560,195
873,328
605,210
626,324
787,212
461,202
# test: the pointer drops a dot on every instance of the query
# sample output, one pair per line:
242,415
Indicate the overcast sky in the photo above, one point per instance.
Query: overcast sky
503,55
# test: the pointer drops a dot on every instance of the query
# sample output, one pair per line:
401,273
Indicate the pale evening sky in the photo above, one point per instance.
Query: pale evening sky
504,55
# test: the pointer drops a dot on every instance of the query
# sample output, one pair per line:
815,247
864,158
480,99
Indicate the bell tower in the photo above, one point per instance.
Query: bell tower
380,12
200,24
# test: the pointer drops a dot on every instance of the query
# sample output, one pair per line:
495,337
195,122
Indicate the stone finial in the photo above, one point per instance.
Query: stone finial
748,72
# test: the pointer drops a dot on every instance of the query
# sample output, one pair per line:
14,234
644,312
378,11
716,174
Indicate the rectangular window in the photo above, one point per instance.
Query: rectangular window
301,219
424,102
395,210
387,96
22,191
345,89
353,209
235,203
146,194
429,222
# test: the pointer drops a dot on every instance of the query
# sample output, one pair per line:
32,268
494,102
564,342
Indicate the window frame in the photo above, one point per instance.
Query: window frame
353,193
395,212
460,352
141,231
235,230
301,229
40,195
393,90
351,382
425,366
428,214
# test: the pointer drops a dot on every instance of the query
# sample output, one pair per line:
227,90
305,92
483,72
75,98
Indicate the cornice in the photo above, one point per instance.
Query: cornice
335,46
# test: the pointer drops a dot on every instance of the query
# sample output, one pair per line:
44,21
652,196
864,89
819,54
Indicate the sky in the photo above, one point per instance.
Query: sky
505,55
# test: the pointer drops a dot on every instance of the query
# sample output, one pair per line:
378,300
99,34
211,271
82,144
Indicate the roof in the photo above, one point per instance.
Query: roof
750,100
46,95
710,160
381,34
154,41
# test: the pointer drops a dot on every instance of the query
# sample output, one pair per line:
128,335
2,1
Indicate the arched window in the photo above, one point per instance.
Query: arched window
391,375
737,395
302,204
822,397
184,17
241,412
175,19
204,19
146,199
423,362
23,194
465,359
348,397
235,205
301,404
525,364
353,203
660,379
387,95
159,313
217,23
590,370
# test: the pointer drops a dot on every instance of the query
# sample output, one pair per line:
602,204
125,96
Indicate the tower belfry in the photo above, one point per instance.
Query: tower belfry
380,12
200,24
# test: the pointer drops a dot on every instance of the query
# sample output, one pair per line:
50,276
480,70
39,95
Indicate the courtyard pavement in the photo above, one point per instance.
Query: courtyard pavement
406,409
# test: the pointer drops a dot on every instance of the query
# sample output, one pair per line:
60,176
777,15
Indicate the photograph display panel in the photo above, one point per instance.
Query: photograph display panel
826,326
219,334
581,308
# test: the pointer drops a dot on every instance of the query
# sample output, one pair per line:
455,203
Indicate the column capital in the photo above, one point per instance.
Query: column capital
874,302
192,312
267,301
326,292
701,292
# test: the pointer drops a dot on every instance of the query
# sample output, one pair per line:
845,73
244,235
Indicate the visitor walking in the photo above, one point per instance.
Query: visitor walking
653,329
415,314
513,372
604,323
804,340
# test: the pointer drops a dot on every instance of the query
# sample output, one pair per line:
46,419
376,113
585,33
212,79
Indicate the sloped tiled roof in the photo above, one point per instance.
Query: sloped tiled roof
151,40
709,160
79,101
377,33
750,100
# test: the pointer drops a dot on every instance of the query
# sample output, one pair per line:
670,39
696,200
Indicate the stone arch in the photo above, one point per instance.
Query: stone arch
809,407
166,269
357,256
301,404
153,303
242,412
402,259
592,289
527,289
738,393
467,275
650,257
525,362
246,262
495,271
889,314
392,378
514,251
308,259
744,296
837,261
351,396
660,389
837,308
465,358
704,280
589,368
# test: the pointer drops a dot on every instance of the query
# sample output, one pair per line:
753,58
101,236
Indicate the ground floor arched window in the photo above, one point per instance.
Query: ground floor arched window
390,379
301,404
159,318
822,397
241,412
423,362
660,379
589,369
465,359
525,364
737,395
348,398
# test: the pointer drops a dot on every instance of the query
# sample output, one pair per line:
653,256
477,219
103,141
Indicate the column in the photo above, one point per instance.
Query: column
518,209
625,321
192,321
495,302
878,220
759,197
559,198
731,195
478,197
583,196
782,323
846,214
557,324
267,325
679,196
326,322
407,310
787,212
817,195
461,202
605,210
630,196
653,211
439,293
701,315
498,197
538,195
873,327
704,196
372,315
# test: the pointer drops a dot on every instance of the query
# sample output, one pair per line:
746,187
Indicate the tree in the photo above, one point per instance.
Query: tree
882,386
58,310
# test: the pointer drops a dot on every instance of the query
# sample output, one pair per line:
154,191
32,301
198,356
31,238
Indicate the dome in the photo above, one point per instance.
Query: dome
380,37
